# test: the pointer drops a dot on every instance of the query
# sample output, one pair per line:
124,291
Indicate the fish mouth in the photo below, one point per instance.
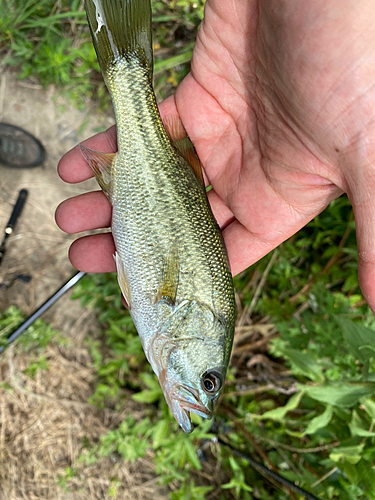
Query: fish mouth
185,400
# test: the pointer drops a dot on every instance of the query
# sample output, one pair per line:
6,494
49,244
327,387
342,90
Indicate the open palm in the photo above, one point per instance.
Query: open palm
280,107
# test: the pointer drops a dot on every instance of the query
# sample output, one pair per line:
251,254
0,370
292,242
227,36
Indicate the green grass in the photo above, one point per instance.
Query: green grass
49,41
308,410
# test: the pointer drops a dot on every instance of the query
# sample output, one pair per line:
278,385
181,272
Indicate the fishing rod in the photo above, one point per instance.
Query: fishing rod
16,212
269,473
42,309
9,228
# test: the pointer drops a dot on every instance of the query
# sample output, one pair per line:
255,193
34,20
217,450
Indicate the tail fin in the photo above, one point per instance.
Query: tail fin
120,28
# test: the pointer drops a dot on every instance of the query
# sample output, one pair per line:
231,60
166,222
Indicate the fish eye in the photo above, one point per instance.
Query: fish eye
211,382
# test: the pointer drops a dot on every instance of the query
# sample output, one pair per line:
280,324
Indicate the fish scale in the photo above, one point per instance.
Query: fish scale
171,260
143,171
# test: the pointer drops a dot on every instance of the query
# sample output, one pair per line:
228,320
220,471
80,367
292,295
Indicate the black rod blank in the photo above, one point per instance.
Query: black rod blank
269,473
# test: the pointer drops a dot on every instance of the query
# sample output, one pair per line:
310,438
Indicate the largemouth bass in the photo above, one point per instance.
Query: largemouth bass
171,261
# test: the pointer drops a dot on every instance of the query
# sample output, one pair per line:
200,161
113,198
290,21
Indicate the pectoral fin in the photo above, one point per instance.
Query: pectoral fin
169,284
101,165
122,279
180,140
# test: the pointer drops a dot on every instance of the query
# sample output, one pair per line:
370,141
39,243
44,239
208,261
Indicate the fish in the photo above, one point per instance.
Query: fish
171,261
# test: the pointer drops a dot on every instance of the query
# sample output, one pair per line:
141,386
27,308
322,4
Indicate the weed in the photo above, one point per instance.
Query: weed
321,434
35,366
51,42
36,337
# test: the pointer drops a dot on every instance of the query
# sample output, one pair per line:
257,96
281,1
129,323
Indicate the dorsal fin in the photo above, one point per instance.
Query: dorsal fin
180,140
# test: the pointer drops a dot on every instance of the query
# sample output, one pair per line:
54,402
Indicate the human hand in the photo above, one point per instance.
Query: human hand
280,107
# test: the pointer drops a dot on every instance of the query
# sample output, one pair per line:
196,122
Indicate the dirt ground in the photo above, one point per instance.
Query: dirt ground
43,421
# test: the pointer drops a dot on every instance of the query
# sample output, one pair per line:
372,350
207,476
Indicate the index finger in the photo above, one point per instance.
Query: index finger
73,168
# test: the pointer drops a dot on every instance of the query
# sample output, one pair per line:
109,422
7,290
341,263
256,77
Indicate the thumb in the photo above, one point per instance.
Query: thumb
364,213
168,107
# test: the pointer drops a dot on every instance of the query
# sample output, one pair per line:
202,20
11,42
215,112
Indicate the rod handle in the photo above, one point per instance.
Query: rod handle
16,211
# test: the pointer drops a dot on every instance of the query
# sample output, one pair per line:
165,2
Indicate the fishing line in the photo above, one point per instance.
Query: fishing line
269,473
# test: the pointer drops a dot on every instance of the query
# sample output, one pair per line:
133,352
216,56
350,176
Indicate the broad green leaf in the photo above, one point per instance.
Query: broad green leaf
234,465
191,453
237,484
369,405
367,476
150,380
357,426
232,484
147,396
350,283
305,364
350,454
153,393
159,433
279,413
344,395
320,421
351,471
296,434
354,299
361,340
171,62
196,419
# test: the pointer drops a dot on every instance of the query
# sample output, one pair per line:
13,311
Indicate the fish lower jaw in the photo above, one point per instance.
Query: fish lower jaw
184,404
185,423
184,420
